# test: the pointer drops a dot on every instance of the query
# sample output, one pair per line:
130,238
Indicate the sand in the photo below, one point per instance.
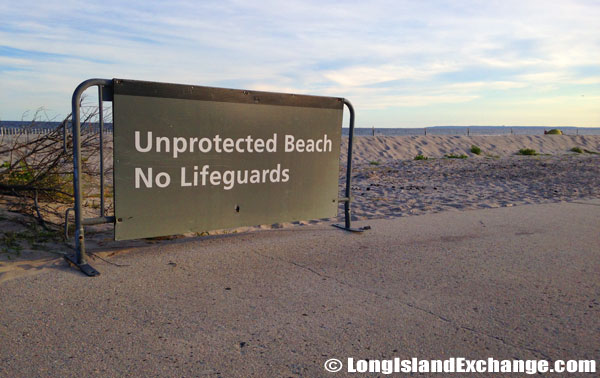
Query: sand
388,182
408,187
386,148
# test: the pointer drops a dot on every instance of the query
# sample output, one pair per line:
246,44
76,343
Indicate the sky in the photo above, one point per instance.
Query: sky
401,63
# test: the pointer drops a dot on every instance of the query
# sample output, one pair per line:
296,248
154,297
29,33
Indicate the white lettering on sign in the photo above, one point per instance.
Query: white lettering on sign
309,145
230,178
179,145
162,179
195,177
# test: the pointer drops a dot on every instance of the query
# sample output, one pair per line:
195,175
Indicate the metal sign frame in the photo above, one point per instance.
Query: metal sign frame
106,93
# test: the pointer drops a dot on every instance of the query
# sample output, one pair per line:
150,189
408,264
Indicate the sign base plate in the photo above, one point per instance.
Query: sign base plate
86,268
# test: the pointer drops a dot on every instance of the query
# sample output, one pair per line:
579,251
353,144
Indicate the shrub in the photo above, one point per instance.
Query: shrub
35,170
421,157
476,150
577,149
554,132
452,156
527,151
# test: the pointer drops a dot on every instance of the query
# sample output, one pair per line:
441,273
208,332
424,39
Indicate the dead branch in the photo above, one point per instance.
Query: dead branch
36,168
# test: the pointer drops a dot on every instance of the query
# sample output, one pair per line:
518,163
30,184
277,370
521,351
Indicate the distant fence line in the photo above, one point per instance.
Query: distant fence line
39,131
471,131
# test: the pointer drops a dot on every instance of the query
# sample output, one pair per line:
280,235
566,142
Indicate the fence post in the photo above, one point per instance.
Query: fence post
101,136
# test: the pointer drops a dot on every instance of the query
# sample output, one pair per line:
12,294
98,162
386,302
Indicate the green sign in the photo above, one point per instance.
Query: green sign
193,159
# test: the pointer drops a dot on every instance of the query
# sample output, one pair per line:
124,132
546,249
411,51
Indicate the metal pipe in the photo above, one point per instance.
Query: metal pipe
67,222
65,125
80,255
349,167
101,121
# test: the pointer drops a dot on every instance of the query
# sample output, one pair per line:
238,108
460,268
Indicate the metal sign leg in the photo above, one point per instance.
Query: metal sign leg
79,258
347,216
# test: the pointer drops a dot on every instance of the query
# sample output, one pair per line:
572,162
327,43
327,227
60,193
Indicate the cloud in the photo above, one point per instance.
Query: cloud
385,54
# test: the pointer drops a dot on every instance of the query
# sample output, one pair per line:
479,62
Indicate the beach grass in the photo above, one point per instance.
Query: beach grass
527,152
476,150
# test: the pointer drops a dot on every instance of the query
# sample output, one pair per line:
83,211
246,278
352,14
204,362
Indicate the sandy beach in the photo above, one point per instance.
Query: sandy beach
401,188
388,182
457,248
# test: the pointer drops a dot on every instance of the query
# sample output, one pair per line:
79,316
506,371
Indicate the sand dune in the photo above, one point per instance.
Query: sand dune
386,148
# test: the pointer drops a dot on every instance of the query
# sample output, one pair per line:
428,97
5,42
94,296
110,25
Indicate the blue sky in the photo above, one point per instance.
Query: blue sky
401,63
